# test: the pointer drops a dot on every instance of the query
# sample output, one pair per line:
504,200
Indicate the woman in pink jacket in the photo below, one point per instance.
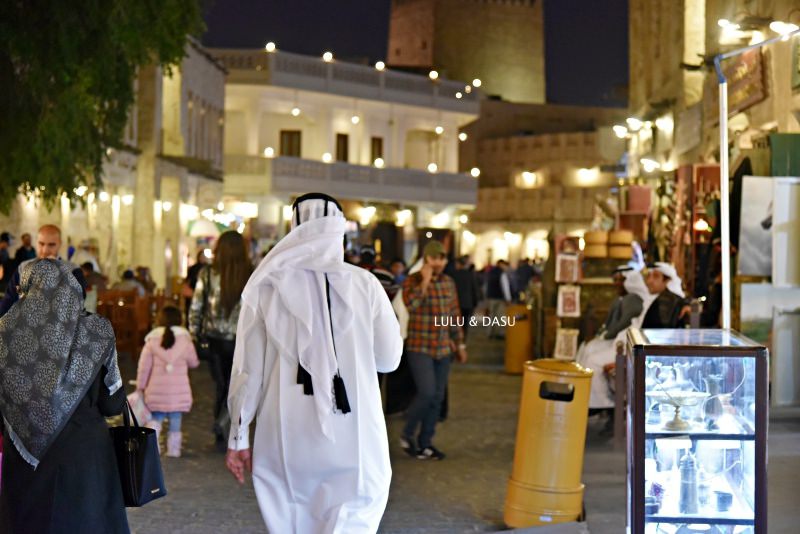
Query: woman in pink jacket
163,375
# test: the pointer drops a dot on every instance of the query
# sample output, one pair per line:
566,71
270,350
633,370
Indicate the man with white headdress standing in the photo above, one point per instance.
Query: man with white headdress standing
313,333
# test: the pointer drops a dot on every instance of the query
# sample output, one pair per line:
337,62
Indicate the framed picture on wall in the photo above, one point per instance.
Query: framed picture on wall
567,268
566,344
569,301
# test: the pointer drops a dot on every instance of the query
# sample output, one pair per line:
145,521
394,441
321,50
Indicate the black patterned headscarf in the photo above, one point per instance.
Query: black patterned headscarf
51,351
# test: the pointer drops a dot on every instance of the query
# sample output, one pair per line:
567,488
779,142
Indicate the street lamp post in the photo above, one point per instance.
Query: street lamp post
725,229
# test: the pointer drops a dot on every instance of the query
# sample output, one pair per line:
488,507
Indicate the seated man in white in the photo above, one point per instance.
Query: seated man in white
626,311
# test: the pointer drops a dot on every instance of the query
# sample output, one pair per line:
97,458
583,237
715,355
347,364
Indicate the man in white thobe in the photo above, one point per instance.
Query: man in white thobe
320,454
600,351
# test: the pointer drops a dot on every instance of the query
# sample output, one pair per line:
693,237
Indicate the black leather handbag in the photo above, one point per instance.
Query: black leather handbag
138,461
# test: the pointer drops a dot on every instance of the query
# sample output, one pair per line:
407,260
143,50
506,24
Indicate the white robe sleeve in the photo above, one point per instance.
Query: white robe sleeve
388,343
247,376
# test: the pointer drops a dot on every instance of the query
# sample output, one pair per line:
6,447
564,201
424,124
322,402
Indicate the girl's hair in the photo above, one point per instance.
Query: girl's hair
233,264
170,316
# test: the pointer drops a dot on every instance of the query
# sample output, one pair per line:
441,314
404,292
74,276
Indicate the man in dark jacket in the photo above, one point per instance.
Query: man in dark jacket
524,274
385,277
498,293
467,288
26,251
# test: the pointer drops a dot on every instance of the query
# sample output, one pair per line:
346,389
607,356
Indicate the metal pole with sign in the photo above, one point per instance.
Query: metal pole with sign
725,236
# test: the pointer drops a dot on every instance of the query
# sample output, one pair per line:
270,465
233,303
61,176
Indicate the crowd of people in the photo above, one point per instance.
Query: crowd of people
304,333
293,344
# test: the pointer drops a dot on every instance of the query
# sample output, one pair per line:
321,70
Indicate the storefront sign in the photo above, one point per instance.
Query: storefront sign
796,64
746,87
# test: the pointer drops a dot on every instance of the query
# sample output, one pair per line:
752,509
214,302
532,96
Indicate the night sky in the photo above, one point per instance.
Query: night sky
586,41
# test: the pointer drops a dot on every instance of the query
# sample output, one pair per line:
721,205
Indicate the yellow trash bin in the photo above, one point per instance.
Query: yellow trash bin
545,485
518,338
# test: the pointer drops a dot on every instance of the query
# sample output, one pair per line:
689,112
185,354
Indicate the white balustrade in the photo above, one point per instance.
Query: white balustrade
304,72
297,175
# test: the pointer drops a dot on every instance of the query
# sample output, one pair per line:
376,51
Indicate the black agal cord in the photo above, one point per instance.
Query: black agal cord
303,376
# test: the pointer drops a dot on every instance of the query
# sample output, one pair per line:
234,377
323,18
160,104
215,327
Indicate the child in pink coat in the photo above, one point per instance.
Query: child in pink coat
163,375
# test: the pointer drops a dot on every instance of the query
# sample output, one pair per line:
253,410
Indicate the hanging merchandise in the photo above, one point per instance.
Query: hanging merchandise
662,227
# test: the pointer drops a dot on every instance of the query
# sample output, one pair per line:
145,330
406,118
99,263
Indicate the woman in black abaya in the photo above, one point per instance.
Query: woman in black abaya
59,378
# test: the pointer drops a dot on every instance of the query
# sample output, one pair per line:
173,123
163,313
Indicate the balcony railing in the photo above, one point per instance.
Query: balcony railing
548,203
543,147
256,175
297,71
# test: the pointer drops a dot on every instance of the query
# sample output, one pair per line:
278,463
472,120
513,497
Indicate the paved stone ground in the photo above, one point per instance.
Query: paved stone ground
464,493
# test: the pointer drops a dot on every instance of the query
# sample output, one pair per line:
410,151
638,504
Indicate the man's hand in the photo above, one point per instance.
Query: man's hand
237,462
461,354
427,274
686,311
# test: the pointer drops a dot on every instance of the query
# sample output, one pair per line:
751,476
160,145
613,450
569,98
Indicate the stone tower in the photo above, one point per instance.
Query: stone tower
501,42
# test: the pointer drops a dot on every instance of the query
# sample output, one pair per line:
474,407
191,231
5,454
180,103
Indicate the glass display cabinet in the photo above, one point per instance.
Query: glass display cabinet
697,432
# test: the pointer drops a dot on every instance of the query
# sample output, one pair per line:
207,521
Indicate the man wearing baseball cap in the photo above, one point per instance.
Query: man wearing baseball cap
433,337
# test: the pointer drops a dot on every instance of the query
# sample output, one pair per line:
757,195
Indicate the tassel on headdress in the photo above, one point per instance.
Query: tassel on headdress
340,394
303,377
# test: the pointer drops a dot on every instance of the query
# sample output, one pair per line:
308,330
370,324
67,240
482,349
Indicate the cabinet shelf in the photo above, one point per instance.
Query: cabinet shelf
699,519
740,512
700,436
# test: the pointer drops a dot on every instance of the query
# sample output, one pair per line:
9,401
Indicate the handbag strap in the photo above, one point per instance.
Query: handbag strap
127,415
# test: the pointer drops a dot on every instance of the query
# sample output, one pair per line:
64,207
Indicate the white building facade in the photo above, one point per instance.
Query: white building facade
384,143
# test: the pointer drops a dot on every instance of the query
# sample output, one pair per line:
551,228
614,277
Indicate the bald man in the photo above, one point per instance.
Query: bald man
48,243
